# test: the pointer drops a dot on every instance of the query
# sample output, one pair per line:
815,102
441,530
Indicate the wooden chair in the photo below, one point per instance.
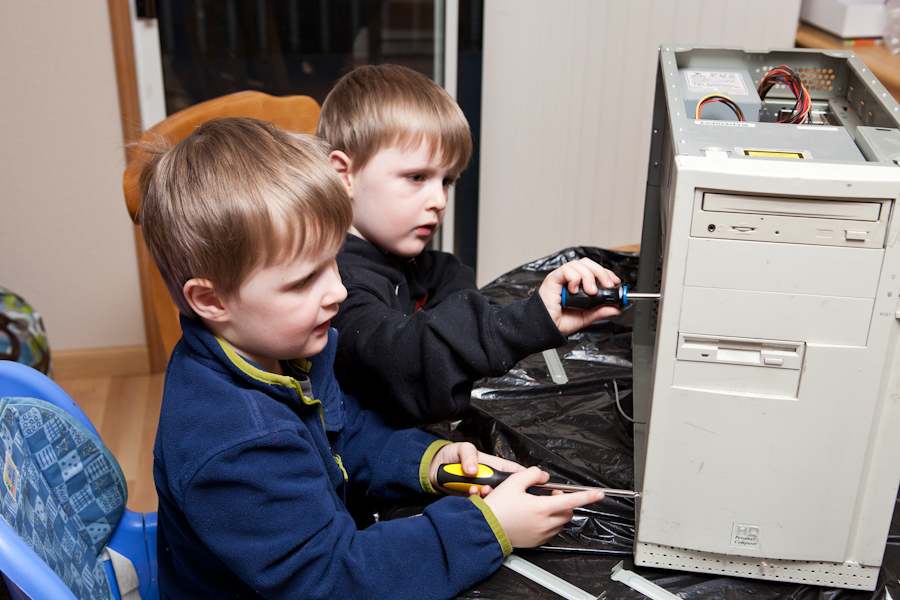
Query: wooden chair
295,113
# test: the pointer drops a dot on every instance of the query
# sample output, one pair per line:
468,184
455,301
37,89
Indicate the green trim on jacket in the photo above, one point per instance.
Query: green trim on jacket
425,465
489,516
273,379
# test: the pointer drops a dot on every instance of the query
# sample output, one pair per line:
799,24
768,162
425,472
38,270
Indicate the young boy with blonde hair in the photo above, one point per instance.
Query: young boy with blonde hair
415,333
257,447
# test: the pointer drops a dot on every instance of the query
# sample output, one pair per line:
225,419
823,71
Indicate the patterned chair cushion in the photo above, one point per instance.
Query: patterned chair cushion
63,491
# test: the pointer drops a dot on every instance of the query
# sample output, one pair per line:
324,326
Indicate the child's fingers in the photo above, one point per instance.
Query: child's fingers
602,312
468,458
558,509
587,273
606,277
527,478
565,502
500,464
579,273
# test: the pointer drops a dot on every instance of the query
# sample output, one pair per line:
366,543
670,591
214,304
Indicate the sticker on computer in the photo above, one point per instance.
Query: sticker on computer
725,123
745,536
761,152
720,82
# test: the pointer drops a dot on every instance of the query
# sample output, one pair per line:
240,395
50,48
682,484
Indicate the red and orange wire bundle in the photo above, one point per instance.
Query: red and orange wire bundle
719,98
784,75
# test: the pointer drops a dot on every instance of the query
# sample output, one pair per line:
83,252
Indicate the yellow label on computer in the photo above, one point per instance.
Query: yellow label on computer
775,153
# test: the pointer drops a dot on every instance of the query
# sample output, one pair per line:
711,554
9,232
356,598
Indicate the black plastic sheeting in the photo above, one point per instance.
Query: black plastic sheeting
578,434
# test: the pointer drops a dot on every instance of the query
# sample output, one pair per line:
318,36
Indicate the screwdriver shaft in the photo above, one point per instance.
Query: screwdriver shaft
565,487
643,296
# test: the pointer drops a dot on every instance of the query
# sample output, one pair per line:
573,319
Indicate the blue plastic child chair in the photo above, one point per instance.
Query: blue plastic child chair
64,528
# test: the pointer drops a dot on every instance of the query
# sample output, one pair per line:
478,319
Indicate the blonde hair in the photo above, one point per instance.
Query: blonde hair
377,106
234,195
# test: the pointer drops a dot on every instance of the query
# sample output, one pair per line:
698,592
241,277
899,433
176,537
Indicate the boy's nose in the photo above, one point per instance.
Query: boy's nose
437,199
340,292
337,293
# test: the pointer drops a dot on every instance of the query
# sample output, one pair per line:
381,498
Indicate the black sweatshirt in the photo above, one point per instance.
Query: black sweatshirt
415,334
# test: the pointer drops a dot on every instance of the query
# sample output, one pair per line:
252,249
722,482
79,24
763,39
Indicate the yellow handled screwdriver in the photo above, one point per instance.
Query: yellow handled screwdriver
451,476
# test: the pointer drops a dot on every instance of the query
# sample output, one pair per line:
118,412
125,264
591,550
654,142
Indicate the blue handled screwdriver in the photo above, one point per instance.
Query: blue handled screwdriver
615,296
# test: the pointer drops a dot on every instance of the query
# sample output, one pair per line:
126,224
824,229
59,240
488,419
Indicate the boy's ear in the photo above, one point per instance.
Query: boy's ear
343,164
201,294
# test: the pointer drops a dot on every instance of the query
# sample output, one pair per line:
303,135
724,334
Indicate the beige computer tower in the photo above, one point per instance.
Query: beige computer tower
768,374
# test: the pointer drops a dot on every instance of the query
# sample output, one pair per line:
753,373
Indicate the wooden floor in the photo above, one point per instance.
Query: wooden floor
125,411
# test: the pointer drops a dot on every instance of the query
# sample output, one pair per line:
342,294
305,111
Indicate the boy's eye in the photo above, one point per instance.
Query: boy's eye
305,281
416,177
450,182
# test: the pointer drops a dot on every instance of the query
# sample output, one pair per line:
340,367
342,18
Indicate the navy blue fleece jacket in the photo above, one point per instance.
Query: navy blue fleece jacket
252,471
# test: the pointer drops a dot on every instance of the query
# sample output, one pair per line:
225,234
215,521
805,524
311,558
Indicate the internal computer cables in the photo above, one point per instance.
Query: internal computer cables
784,75
719,98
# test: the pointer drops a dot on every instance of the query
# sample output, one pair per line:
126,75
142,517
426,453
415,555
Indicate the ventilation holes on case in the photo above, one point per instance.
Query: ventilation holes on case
844,575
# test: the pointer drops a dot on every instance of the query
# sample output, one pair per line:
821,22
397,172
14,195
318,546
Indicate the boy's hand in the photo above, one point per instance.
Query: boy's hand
468,456
531,520
586,273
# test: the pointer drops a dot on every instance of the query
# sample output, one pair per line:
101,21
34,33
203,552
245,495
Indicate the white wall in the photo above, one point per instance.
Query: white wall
568,95
66,241
567,101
